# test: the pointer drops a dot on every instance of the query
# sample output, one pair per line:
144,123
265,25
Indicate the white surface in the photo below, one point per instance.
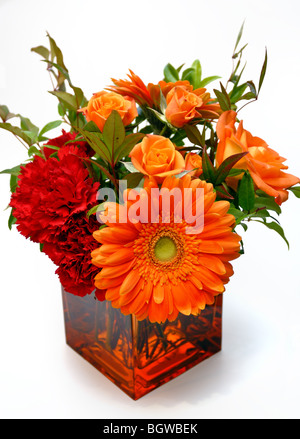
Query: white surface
257,373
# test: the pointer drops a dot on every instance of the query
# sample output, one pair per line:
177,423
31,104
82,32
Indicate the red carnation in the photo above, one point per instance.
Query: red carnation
67,142
71,251
48,193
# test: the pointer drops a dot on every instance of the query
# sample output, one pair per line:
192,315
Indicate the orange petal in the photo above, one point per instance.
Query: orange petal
158,293
213,263
129,282
116,270
116,235
103,283
209,279
121,256
181,299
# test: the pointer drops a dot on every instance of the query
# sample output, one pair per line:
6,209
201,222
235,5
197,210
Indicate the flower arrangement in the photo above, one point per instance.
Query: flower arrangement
179,140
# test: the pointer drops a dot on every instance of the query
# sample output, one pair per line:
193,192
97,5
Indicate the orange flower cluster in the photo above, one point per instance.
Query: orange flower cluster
157,269
265,165
184,104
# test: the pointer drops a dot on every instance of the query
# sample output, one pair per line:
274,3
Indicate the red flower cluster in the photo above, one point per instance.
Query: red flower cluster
48,192
71,251
67,143
51,204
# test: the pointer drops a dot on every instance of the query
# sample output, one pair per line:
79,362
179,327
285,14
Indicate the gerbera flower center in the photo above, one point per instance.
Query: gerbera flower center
165,249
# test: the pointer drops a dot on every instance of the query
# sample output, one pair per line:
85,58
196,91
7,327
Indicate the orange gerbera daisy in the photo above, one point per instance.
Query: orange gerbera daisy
156,269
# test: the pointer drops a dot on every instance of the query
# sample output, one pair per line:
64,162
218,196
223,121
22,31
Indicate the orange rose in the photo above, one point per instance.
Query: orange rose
184,105
103,103
264,164
165,87
156,156
193,161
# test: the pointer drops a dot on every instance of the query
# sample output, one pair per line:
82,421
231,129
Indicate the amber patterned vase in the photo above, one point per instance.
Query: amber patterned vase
139,356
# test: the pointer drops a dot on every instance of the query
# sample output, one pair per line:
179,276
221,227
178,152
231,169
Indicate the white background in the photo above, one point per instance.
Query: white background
257,373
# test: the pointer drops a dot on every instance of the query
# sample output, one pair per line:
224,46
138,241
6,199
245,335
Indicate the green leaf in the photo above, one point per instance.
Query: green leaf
96,144
113,133
179,68
133,179
187,75
42,51
56,53
170,73
234,172
247,96
65,98
246,193
209,172
225,167
260,214
27,125
239,37
237,92
80,99
57,148
223,98
295,190
33,150
5,113
16,131
222,192
49,126
197,73
277,228
238,214
13,183
194,135
11,220
263,71
91,127
208,80
61,109
268,203
129,143
98,208
13,171
102,169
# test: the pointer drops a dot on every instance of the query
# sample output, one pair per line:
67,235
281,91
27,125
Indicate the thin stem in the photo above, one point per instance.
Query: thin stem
249,102
21,142
163,130
51,79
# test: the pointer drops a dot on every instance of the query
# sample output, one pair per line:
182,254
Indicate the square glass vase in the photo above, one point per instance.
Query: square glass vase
139,356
